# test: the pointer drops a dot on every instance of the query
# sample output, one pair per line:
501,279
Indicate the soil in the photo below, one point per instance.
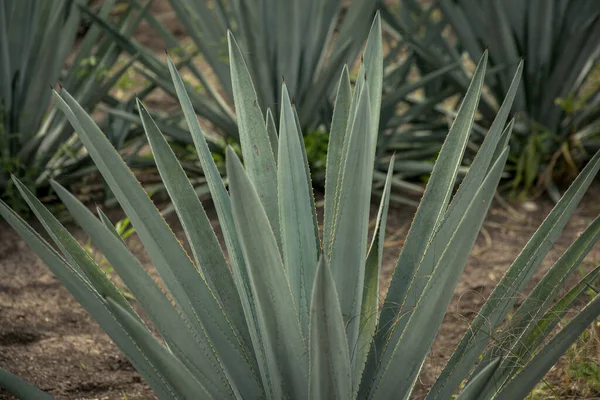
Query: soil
48,339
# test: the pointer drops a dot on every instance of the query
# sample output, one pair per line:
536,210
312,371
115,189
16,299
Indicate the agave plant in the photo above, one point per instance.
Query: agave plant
288,312
293,39
556,128
302,41
36,42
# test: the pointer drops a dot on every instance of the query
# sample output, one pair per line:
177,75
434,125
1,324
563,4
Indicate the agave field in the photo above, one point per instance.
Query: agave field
299,199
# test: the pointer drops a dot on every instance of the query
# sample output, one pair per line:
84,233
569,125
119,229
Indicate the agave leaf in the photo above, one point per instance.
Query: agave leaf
254,139
91,300
43,49
550,320
390,101
54,48
289,43
430,212
272,131
334,154
323,84
191,292
324,16
72,250
359,85
458,19
286,361
295,214
196,225
504,139
355,25
173,370
518,275
222,204
217,112
473,389
349,243
454,372
105,220
248,18
539,39
217,188
445,259
171,131
202,26
112,81
308,181
541,363
20,387
90,39
194,350
579,56
373,59
173,42
493,145
535,305
502,46
330,371
417,108
370,302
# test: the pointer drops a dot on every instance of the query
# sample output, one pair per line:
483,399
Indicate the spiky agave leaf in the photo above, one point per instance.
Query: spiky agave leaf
284,313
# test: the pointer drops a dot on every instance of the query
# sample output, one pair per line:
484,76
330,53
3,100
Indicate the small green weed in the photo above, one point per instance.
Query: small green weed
316,143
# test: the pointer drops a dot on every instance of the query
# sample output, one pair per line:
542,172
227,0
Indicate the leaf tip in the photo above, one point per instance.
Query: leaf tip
230,37
55,185
231,159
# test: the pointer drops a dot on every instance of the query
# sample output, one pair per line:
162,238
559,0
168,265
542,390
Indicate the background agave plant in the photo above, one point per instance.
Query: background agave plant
556,127
36,42
304,42
291,313
293,39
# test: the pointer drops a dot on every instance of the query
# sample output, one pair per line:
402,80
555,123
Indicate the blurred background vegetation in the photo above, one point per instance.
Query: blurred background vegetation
90,48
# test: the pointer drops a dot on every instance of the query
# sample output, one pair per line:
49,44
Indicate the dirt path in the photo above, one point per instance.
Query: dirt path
46,337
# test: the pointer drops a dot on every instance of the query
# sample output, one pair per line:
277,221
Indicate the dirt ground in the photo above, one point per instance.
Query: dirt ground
47,338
